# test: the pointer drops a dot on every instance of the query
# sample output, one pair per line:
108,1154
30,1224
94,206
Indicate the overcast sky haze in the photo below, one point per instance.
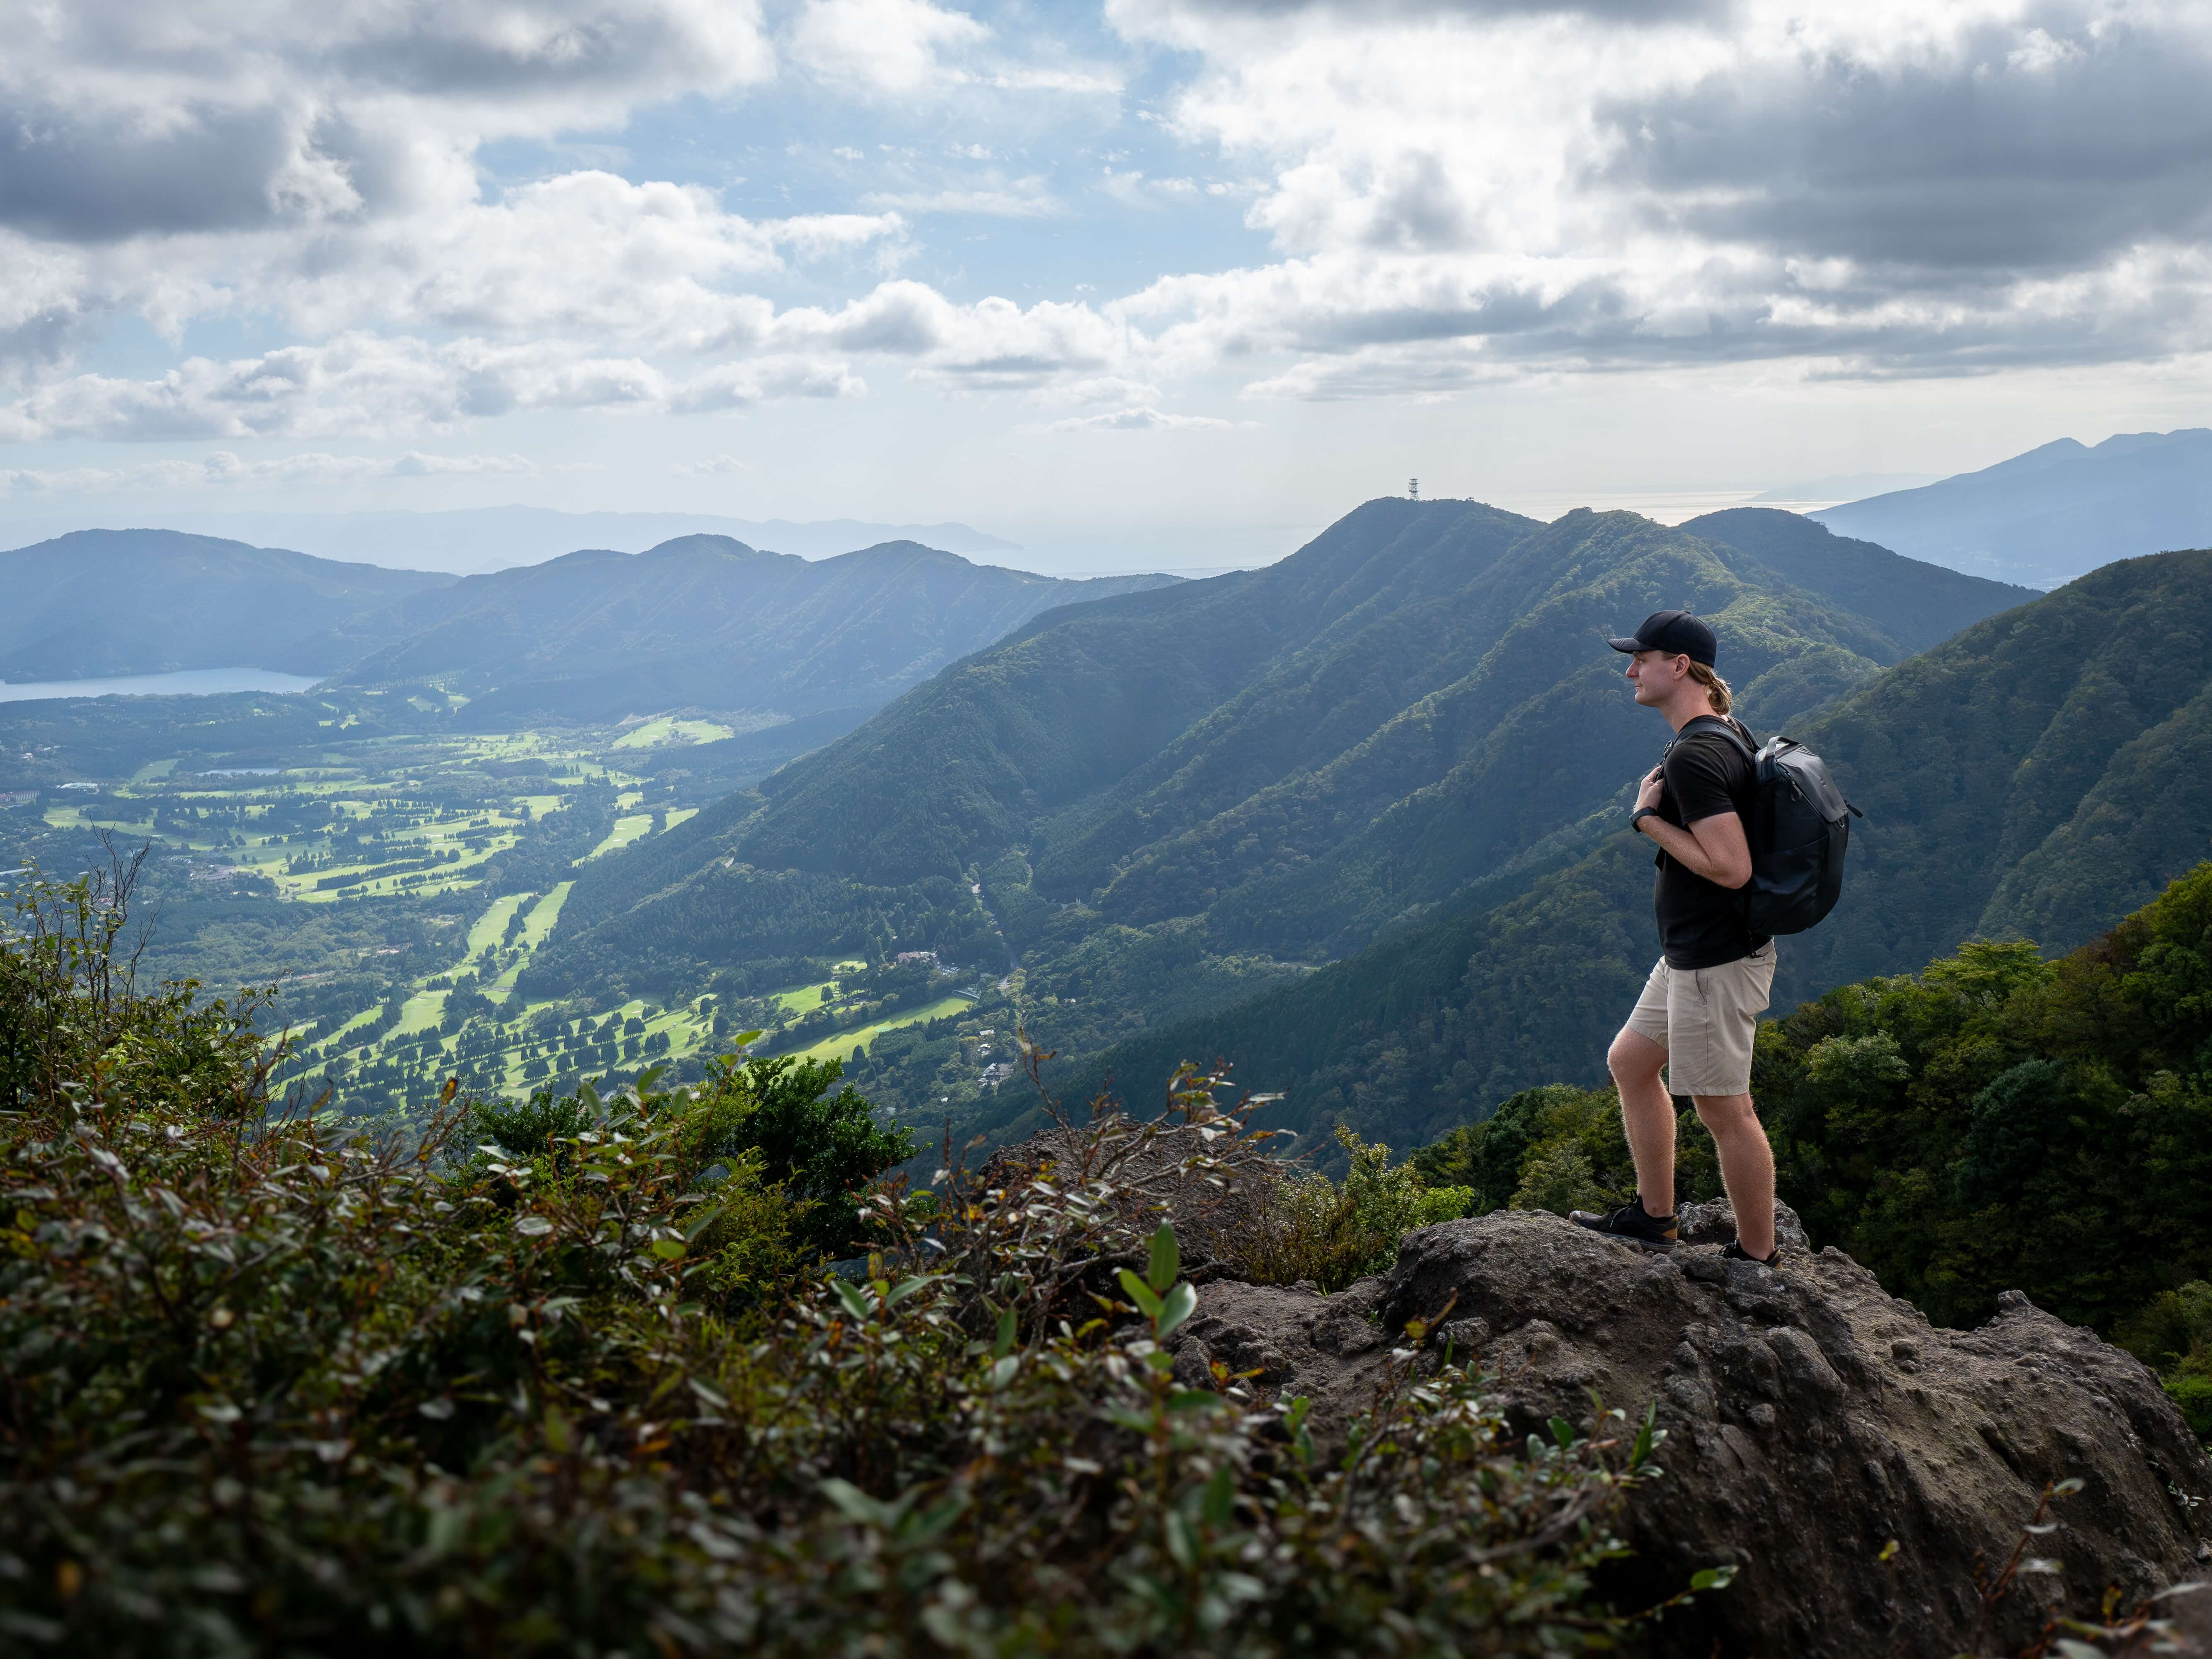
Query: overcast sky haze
1176,272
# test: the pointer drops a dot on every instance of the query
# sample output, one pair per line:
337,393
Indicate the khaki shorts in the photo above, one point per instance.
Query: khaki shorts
1706,1019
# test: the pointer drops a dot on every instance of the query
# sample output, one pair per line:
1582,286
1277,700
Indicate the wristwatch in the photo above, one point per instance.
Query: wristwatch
1641,813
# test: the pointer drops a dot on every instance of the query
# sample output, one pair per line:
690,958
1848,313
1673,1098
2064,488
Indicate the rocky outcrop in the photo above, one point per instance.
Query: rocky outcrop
1863,1469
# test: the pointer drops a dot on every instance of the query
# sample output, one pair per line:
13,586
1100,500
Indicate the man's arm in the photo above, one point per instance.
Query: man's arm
1714,847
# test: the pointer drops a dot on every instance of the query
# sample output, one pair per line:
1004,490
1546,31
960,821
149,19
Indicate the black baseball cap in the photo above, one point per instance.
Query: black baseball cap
1677,633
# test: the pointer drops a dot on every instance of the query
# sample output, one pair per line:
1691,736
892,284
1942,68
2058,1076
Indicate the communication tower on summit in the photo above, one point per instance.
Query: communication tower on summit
1414,489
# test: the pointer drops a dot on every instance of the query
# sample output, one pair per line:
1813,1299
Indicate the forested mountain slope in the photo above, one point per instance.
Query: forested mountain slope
2034,776
707,621
1917,605
1421,689
106,602
1164,801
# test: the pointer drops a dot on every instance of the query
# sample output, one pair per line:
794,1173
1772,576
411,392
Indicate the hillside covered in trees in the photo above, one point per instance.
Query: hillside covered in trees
1161,804
2025,779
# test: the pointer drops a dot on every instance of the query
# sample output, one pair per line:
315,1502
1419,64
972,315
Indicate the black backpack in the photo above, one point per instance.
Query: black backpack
1800,826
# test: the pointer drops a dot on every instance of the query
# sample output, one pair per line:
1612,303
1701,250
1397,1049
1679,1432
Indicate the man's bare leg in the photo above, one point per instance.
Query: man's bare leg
1747,1168
1647,1117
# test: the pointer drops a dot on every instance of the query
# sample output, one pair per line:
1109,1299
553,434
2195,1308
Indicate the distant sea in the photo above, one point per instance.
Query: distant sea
185,683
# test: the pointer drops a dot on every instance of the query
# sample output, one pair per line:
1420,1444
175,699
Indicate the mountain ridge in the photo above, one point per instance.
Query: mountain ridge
166,600
708,622
2055,512
1162,802
2029,776
476,540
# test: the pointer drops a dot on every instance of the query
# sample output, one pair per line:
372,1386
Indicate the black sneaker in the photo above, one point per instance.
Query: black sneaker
1632,1224
1735,1252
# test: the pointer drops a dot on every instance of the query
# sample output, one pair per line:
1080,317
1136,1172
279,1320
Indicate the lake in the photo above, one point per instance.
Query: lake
185,683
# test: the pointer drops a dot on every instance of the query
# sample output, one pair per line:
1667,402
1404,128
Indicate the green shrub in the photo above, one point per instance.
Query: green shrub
72,1015
819,1149
2192,1392
529,1127
281,1386
1557,1176
2172,1334
1558,1148
1314,1231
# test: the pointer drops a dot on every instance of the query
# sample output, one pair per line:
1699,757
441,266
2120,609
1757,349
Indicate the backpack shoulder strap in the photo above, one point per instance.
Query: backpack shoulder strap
1733,730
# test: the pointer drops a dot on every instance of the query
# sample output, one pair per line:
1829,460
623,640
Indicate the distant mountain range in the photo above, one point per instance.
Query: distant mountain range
2053,514
1166,802
704,621
701,621
105,601
470,541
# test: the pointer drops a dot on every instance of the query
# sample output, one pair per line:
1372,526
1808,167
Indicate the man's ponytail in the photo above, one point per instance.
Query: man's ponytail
1716,688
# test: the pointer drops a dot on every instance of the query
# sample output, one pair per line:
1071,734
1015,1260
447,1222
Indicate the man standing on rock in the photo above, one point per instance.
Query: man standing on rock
1701,1006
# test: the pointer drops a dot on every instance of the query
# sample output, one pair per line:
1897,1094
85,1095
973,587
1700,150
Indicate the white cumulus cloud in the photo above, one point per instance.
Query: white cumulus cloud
888,45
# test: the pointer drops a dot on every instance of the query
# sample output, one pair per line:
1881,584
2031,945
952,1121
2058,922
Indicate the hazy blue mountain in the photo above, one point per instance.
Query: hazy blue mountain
471,541
707,621
2050,515
2033,777
104,602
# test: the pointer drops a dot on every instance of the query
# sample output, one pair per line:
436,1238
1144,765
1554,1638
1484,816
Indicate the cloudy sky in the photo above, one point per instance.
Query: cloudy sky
1174,273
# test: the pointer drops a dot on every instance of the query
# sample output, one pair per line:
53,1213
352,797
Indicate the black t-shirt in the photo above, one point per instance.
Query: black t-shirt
1701,924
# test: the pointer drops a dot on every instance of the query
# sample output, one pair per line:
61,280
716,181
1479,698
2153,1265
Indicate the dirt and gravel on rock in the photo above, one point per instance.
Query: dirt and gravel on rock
1864,1470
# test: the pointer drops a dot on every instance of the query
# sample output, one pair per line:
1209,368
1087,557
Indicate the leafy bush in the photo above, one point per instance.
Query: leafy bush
2174,1335
283,1386
1316,1232
2001,1122
1558,1148
817,1148
72,1014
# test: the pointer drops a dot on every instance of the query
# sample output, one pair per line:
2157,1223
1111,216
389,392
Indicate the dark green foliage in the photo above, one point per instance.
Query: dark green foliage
1313,1230
276,1387
1558,1148
821,1149
69,1009
2001,1122
2174,1334
1488,1156
530,1128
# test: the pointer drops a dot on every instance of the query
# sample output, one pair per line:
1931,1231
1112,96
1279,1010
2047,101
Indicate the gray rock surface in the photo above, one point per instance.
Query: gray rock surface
1814,1421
